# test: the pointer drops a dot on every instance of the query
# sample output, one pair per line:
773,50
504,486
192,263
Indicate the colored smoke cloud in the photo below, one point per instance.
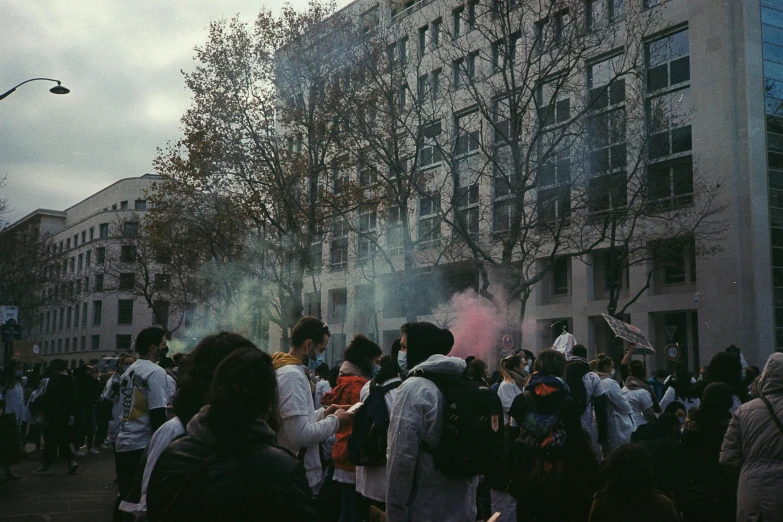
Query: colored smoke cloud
477,325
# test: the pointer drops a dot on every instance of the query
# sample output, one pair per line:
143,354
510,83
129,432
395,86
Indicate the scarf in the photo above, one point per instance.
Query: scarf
632,383
349,368
519,380
280,359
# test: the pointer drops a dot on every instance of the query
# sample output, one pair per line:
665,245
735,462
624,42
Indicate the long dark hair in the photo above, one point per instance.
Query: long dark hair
244,390
198,369
629,468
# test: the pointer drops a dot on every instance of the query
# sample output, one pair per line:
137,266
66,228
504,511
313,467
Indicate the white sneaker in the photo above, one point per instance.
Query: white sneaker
94,452
43,471
80,453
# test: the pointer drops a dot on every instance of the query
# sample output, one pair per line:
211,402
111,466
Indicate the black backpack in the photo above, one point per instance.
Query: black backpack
368,441
471,443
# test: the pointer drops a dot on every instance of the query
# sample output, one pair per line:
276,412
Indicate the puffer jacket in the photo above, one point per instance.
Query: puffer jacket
347,392
415,490
195,479
754,446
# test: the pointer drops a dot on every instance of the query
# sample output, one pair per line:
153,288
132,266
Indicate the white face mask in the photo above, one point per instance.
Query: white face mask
402,360
612,372
527,368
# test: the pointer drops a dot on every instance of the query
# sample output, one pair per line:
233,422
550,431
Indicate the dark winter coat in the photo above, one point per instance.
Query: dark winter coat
252,479
60,399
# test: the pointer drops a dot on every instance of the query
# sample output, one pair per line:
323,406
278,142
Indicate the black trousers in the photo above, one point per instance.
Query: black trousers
126,463
56,436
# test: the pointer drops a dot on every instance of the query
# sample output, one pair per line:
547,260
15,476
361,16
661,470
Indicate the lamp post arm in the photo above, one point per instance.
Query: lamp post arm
11,90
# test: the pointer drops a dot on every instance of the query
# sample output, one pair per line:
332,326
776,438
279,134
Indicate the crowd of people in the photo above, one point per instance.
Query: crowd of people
228,432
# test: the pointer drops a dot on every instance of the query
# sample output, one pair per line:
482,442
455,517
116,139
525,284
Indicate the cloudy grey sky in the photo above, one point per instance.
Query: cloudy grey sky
122,62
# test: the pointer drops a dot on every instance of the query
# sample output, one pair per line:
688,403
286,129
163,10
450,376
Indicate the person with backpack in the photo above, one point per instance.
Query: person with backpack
361,364
553,466
589,393
415,489
369,439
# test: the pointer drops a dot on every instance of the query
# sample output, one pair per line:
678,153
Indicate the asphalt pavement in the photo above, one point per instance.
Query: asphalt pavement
87,496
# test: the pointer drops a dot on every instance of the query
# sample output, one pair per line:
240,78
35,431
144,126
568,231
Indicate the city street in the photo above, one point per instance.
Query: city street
88,495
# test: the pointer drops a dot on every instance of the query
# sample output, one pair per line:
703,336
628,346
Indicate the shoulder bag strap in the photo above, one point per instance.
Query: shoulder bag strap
772,412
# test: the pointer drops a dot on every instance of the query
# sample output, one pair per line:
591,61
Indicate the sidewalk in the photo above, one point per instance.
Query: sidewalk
87,496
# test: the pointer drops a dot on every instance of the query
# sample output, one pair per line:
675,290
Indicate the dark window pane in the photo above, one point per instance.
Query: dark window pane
775,160
659,145
618,156
683,178
599,97
563,110
658,179
777,237
617,90
681,70
599,161
681,139
777,257
657,78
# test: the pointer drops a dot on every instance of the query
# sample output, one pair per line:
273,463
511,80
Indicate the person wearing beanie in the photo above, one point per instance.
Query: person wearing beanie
415,490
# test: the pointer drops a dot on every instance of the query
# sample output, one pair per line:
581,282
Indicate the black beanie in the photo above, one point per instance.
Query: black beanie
426,339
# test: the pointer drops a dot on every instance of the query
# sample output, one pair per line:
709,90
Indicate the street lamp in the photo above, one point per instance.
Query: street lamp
57,89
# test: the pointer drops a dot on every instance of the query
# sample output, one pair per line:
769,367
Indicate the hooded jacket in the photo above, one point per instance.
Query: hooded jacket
196,479
348,391
753,445
415,490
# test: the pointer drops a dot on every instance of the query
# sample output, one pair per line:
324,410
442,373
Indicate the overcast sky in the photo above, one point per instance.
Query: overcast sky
122,62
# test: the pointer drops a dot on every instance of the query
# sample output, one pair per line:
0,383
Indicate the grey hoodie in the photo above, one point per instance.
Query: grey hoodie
415,490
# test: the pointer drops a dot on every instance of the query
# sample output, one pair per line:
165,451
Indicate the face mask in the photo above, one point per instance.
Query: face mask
316,361
613,372
18,373
402,360
527,368
375,370
125,368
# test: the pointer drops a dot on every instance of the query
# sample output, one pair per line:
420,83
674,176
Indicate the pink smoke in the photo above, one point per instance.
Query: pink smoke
477,325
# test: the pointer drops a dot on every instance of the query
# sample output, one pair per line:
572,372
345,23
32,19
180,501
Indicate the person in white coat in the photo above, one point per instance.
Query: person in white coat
681,388
514,379
619,423
415,490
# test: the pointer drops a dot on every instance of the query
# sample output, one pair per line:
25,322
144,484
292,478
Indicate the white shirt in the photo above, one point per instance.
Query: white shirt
14,400
593,388
639,400
143,387
302,426
321,387
507,391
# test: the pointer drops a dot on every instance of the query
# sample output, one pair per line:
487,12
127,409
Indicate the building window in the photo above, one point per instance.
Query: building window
127,281
435,34
99,282
80,264
83,343
423,40
88,258
140,204
84,314
68,318
130,229
467,170
670,183
394,231
338,305
429,153
435,84
103,230
67,344
160,313
606,136
92,233
368,219
62,319
339,253
316,250
560,271
429,221
123,343
100,255
128,253
456,17
84,236
123,205
76,316
72,264
312,304
472,14
554,103
97,312
48,320
125,311
96,342
162,281
68,244
59,345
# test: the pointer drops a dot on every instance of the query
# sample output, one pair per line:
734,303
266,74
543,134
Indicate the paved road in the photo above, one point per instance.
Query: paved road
87,496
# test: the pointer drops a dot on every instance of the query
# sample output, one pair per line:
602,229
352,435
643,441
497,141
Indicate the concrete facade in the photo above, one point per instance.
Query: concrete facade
722,299
87,325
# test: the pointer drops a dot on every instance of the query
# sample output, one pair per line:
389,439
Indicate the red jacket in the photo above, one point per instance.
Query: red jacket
346,392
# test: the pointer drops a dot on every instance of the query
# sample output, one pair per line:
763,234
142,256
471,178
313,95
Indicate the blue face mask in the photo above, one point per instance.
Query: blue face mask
402,360
315,363
18,373
375,370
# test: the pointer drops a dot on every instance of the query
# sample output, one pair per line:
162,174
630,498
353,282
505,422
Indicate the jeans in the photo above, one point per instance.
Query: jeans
353,506
56,436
